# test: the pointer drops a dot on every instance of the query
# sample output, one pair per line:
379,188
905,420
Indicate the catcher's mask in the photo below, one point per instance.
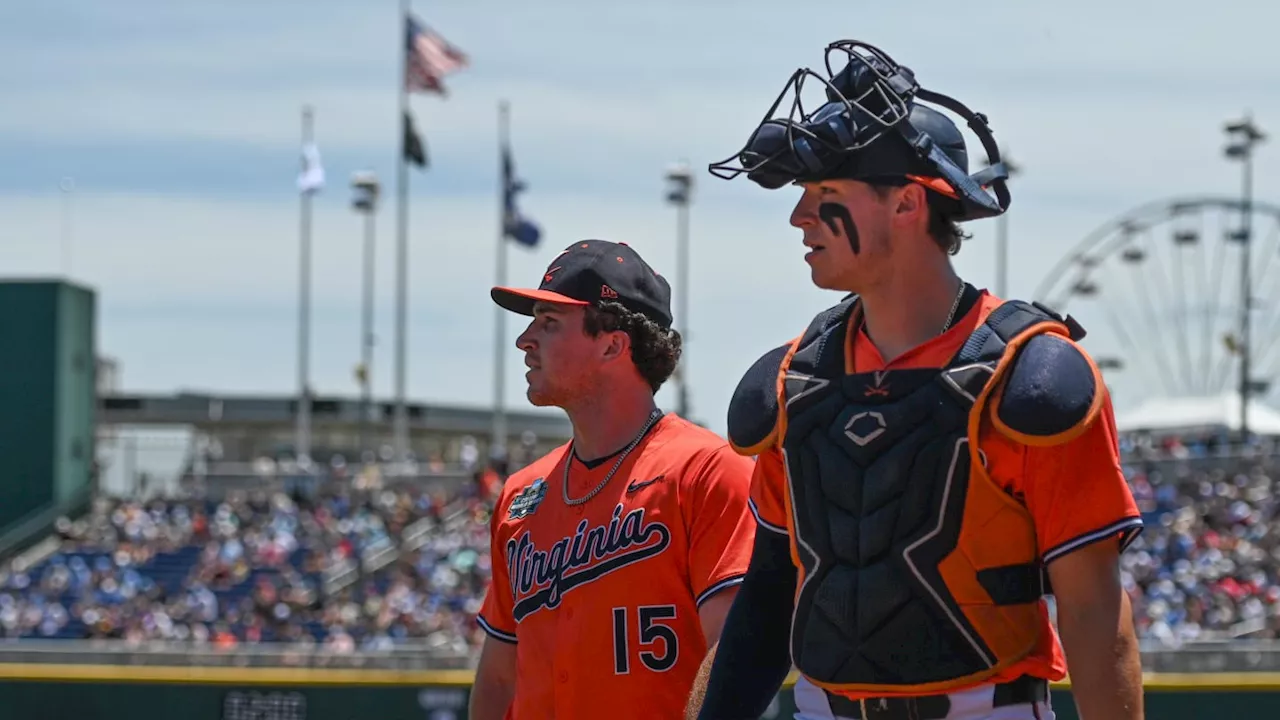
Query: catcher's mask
872,128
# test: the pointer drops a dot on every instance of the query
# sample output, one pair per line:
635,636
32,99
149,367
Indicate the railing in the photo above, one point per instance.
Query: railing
415,536
1224,454
278,655
1232,657
227,478
1214,657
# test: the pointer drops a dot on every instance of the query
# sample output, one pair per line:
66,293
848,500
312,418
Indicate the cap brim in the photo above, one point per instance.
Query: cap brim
522,300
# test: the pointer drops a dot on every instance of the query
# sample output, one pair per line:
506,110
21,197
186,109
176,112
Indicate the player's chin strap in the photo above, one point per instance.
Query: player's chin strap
977,202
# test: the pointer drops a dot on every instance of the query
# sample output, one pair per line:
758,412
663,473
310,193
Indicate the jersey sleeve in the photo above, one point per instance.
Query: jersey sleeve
721,530
768,492
496,614
1077,492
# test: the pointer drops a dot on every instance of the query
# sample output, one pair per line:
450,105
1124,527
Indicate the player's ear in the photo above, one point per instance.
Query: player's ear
618,346
912,199
909,206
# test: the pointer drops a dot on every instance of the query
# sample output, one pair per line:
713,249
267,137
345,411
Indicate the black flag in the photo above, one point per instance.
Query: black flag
412,147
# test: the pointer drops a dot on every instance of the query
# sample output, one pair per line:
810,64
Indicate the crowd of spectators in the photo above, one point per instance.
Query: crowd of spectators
1207,564
251,568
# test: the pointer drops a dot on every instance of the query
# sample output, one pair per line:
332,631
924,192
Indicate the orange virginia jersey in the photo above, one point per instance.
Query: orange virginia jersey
1076,492
601,599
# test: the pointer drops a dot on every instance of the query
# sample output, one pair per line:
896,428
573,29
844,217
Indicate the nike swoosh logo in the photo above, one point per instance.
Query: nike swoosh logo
636,484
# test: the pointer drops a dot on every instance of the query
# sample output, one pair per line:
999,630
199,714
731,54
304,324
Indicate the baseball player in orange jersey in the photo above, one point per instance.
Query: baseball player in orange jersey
933,461
616,556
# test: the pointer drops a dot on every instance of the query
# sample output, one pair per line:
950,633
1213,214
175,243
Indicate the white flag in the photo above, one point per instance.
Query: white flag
311,178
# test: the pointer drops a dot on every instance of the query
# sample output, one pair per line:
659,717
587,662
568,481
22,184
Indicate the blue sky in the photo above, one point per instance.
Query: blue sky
180,124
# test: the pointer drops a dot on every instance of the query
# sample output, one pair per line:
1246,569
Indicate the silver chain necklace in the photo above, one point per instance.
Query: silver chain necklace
951,316
955,305
564,485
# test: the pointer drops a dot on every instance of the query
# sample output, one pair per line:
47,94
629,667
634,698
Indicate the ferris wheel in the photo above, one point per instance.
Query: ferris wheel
1161,287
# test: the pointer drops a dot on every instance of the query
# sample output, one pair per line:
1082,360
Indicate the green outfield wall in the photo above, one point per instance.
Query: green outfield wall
48,401
121,692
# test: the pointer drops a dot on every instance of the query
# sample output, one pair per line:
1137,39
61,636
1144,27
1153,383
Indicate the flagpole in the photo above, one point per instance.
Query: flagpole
68,187
499,440
302,444
401,418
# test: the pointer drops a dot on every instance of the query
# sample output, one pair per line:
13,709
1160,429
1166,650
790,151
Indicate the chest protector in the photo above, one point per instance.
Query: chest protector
918,573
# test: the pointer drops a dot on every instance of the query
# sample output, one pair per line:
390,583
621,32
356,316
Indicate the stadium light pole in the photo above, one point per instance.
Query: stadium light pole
302,442
680,193
1242,136
364,185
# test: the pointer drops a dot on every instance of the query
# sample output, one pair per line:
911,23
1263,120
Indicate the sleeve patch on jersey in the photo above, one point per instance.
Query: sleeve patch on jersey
717,587
753,409
1052,393
494,632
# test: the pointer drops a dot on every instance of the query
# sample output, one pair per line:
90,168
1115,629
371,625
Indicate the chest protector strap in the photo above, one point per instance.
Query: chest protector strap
818,358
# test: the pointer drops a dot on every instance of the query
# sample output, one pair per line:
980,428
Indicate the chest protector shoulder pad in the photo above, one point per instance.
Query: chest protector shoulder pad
754,409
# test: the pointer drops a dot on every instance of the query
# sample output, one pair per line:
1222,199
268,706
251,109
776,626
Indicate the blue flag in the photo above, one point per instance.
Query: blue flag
514,225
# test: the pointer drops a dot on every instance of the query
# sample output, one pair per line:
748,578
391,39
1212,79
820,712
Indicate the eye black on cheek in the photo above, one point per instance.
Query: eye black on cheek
837,217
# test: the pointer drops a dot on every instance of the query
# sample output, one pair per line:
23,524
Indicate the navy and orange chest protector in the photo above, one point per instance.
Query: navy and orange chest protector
917,572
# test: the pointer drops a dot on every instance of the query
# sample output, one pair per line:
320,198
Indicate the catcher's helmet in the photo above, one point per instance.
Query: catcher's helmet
872,127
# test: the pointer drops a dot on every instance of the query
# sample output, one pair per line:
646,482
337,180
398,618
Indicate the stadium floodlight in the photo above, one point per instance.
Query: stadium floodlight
365,188
679,178
1242,136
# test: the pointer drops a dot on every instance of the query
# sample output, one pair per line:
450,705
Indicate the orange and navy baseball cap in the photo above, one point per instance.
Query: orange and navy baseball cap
589,272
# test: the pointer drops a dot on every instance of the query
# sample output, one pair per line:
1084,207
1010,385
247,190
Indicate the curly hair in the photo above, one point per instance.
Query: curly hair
655,350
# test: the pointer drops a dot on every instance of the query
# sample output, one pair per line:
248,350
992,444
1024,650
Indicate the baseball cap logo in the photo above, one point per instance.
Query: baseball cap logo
608,292
547,277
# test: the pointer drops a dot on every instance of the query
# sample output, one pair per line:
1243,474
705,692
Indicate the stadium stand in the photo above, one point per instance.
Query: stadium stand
260,567
1207,566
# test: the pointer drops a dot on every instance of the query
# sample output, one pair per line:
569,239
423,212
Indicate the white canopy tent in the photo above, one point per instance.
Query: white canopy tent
1216,413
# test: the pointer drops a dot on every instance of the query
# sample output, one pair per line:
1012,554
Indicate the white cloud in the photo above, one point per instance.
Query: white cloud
1104,115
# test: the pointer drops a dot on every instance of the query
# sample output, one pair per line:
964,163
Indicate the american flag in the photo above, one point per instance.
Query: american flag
430,58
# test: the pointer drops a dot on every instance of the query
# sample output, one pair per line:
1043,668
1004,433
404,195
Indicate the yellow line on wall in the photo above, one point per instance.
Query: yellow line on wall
50,672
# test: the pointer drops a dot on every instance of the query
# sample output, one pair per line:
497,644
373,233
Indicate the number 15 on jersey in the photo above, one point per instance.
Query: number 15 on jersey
657,646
